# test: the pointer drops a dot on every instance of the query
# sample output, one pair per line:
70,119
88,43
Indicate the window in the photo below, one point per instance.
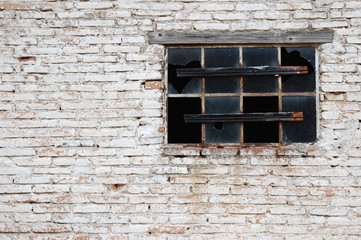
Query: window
241,88
241,95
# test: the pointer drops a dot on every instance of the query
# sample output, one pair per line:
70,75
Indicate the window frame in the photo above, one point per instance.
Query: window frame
250,38
241,94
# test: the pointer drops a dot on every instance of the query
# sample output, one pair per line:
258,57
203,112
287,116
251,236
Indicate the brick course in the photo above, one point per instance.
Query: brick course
82,128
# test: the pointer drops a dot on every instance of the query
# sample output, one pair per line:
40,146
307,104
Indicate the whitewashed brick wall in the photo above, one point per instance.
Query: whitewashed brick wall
82,127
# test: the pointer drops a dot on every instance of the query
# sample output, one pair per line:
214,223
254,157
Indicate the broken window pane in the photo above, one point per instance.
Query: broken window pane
178,130
301,56
183,58
302,131
222,105
260,57
260,132
221,57
222,132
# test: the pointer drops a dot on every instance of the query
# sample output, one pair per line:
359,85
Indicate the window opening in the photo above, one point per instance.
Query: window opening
304,56
260,132
241,95
225,132
178,130
217,58
301,131
260,57
183,58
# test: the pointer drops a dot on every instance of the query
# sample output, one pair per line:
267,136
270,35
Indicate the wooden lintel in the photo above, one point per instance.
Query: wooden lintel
245,71
243,117
176,38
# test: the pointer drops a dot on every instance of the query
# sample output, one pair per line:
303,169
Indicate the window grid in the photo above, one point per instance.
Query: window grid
241,94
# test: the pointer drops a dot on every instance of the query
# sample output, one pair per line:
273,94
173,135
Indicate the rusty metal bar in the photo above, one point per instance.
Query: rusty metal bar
243,117
242,94
245,71
203,97
280,102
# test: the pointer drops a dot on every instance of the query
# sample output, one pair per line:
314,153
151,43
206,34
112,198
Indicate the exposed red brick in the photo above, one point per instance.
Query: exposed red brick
154,85
14,6
161,129
329,192
82,238
26,59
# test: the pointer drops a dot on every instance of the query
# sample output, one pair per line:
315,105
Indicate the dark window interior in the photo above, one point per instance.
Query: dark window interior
183,58
260,132
253,93
221,57
222,132
303,131
178,130
260,57
304,56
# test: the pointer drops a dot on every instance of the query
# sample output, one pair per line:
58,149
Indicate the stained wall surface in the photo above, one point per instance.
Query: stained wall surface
82,128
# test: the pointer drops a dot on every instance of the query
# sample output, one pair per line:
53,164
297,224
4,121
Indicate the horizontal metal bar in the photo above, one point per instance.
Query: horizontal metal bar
245,71
255,37
243,117
283,94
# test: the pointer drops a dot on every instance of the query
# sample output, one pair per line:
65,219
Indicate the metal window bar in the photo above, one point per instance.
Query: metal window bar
243,117
245,71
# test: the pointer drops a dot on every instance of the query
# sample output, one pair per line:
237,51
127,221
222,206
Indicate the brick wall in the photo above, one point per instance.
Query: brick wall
82,153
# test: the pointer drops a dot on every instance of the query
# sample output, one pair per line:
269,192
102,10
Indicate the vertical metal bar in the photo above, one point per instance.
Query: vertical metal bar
165,94
280,136
241,96
203,100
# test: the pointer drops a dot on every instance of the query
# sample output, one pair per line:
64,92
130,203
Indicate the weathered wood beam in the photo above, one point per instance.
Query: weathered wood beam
245,71
243,117
176,38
